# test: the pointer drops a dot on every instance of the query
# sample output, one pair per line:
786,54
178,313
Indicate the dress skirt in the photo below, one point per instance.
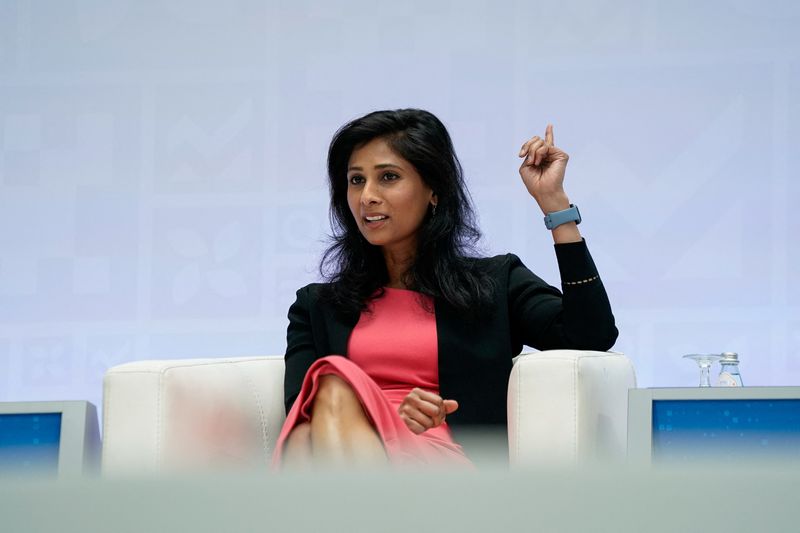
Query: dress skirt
402,446
392,350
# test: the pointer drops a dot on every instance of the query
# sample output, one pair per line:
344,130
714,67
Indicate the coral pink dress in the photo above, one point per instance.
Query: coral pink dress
392,350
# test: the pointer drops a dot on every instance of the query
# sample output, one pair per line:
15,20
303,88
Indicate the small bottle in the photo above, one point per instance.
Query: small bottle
729,371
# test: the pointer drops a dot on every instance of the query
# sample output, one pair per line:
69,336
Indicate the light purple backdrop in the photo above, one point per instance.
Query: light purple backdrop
162,187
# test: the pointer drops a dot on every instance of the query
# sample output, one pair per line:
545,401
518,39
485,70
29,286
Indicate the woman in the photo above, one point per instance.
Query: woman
412,337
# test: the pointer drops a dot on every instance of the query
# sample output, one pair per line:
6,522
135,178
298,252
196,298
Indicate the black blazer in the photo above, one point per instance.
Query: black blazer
475,357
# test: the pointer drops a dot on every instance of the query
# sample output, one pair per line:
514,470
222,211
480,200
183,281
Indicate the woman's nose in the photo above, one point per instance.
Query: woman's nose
369,194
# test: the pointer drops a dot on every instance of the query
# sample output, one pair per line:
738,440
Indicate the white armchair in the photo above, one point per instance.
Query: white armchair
564,406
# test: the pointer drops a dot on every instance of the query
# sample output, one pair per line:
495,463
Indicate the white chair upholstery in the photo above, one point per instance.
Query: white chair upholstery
568,407
192,414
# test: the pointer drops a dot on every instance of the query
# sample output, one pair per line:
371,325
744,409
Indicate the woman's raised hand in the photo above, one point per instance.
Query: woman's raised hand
543,170
422,410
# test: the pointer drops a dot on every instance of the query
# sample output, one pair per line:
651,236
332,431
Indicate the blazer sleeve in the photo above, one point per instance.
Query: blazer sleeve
300,350
544,318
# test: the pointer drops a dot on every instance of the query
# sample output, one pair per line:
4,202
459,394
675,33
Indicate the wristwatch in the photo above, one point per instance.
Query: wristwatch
553,220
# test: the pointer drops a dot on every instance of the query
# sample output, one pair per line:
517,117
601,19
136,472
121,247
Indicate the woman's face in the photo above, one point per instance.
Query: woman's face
387,197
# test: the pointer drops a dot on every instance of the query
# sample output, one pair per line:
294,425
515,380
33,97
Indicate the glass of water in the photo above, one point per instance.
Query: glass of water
704,361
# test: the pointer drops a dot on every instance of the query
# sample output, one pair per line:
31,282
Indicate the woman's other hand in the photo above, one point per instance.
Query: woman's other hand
422,410
543,170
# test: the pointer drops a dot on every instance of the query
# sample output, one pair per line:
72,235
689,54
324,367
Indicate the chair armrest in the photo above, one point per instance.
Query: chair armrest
568,407
191,414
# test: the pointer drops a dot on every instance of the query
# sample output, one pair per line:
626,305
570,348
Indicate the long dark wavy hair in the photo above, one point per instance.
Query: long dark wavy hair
444,265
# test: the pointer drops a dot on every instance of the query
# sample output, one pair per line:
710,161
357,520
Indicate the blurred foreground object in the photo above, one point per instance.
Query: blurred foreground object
564,406
613,499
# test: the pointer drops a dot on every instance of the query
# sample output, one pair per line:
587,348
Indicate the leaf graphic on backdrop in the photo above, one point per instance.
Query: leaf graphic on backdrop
227,242
186,283
187,243
227,283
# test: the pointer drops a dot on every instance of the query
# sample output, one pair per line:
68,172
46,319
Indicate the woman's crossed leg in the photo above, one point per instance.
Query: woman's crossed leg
339,433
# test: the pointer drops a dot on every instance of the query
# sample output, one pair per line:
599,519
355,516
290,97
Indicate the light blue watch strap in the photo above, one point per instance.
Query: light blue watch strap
553,220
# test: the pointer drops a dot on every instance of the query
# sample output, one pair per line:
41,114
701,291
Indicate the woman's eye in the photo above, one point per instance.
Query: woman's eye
390,176
355,180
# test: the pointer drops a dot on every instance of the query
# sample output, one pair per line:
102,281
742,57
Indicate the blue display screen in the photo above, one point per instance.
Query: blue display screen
30,442
685,430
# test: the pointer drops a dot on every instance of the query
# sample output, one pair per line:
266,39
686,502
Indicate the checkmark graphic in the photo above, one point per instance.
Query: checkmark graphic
224,150
651,202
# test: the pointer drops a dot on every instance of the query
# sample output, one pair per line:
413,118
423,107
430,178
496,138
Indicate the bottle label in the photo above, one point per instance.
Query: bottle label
726,380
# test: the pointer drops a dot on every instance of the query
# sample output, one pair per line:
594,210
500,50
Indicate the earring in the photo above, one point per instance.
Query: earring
433,211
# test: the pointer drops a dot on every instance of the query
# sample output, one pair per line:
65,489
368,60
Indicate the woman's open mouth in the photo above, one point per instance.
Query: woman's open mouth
375,221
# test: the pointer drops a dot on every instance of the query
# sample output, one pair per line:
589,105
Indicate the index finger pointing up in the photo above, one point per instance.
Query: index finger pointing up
548,135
